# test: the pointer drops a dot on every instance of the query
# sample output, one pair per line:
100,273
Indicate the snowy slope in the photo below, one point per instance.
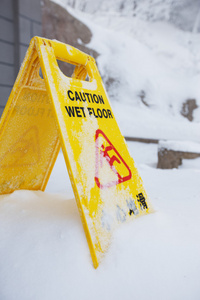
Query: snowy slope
182,13
150,70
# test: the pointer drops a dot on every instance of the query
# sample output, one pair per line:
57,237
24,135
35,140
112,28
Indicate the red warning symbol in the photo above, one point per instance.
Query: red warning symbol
110,167
24,152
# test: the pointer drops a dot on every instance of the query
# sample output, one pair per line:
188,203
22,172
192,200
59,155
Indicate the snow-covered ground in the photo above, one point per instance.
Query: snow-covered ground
44,253
43,250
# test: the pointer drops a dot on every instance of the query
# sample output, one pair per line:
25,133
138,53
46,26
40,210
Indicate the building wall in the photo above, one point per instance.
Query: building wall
20,20
30,23
7,50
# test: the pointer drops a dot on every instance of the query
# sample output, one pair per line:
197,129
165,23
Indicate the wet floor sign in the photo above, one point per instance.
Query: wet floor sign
74,112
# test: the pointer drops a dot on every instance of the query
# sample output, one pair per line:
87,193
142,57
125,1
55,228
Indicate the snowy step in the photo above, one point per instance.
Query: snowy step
141,140
171,153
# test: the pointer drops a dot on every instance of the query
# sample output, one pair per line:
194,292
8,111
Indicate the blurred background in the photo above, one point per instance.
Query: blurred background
148,54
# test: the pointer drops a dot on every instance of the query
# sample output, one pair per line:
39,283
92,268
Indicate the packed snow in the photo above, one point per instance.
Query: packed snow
44,252
153,68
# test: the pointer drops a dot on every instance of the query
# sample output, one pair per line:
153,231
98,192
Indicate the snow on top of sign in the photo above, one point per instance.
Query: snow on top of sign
185,146
88,85
87,153
69,49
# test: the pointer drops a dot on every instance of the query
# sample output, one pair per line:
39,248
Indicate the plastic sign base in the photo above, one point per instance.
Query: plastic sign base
44,113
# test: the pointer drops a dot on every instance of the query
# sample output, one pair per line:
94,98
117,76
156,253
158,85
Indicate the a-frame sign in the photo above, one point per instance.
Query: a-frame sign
43,114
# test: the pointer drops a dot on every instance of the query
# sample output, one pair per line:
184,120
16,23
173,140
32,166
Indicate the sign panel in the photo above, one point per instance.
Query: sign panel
29,139
76,112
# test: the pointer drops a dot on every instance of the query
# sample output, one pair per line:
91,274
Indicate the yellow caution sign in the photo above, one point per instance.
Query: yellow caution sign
44,113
